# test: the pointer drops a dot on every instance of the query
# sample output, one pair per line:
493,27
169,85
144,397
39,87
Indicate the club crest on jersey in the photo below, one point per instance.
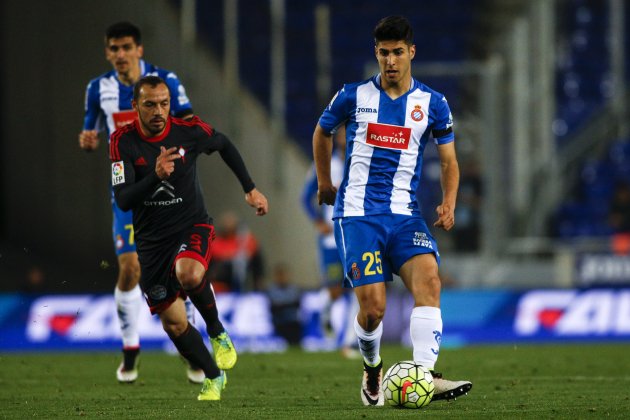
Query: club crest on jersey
417,114
182,153
157,292
356,271
120,242
388,136
118,173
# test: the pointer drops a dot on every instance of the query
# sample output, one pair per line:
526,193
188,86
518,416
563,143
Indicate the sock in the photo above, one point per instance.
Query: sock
129,358
190,314
203,298
190,311
128,309
369,343
425,327
325,301
190,345
350,335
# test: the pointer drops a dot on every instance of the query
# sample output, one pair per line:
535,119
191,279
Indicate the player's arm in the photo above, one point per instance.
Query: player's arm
129,193
322,154
335,114
314,212
449,179
231,156
309,192
88,137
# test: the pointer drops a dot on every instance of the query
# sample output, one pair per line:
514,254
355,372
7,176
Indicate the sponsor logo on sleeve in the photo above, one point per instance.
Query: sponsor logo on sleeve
388,136
118,173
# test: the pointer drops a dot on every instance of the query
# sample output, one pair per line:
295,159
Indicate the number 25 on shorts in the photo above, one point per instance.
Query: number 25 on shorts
373,265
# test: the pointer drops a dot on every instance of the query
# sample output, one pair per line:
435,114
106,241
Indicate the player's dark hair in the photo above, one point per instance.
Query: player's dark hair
152,81
123,29
393,28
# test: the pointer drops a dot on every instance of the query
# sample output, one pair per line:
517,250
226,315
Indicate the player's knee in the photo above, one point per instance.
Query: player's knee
433,285
174,329
374,316
128,275
189,279
429,292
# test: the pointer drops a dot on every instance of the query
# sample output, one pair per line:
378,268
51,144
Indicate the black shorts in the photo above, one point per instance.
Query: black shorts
157,262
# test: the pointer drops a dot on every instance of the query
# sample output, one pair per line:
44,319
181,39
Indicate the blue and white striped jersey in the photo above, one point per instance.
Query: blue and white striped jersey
108,102
385,140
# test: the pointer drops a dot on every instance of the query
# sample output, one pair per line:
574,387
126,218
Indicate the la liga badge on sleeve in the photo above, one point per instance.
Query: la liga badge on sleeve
118,173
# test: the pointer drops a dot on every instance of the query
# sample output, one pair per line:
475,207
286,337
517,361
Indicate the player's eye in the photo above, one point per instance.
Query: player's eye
113,48
127,47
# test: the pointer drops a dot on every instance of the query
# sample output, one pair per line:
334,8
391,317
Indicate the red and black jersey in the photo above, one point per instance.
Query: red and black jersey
162,208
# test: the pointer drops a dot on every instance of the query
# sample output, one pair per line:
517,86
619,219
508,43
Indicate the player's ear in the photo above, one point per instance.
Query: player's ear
412,51
140,51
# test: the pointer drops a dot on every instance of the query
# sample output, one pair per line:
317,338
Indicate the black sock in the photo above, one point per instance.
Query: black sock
202,297
190,345
129,358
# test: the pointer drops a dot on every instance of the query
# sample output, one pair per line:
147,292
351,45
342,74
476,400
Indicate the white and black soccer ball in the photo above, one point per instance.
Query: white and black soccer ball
409,385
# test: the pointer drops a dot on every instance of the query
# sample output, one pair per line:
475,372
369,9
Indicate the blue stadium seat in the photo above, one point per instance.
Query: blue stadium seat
586,214
352,22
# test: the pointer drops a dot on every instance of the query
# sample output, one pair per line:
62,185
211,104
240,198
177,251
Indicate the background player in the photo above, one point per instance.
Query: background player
378,226
108,106
330,265
154,172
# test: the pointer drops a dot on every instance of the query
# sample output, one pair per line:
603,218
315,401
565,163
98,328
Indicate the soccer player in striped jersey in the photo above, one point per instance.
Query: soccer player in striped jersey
154,172
379,229
108,107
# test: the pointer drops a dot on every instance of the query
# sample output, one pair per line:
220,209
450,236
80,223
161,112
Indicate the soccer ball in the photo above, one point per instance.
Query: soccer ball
409,385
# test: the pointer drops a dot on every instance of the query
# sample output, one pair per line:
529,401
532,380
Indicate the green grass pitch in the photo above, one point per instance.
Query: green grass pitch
521,381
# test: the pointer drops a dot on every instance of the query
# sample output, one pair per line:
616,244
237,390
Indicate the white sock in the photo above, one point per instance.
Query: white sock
190,311
324,296
425,327
350,335
128,308
326,302
369,343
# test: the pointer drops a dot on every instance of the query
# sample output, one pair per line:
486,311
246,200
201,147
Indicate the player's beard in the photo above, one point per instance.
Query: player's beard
154,125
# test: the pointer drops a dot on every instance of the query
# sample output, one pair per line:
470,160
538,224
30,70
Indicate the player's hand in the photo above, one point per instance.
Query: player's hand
446,217
165,163
323,228
88,140
326,194
257,200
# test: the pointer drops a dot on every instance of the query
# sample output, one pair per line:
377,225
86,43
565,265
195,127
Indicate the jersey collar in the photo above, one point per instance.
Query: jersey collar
377,82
